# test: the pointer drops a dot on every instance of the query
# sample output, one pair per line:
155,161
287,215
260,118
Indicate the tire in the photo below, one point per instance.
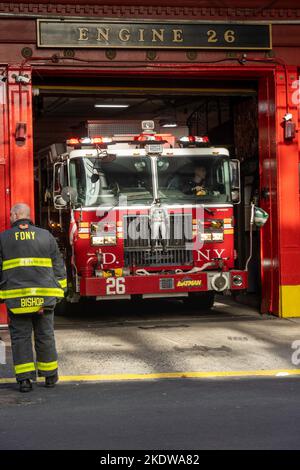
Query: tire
200,300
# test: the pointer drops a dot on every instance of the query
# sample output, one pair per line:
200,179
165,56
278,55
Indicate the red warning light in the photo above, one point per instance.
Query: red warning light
97,140
73,141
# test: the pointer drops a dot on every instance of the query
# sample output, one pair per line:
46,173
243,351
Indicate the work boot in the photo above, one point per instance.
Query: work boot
25,385
51,381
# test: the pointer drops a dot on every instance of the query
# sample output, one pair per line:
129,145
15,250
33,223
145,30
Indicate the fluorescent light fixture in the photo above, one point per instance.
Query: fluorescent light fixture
111,105
169,124
168,121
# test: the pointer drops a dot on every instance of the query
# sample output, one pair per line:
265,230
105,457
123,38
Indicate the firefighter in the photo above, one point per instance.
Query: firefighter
197,184
32,279
193,185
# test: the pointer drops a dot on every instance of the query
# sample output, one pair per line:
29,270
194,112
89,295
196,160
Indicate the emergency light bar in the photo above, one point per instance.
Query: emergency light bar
74,141
194,139
144,137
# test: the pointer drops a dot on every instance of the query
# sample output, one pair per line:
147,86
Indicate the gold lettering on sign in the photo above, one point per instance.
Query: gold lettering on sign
177,35
124,35
83,34
158,35
103,34
141,35
212,36
229,36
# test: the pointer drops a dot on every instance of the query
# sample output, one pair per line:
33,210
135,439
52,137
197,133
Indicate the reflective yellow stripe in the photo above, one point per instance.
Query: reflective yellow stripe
21,368
27,292
46,366
25,309
63,283
18,262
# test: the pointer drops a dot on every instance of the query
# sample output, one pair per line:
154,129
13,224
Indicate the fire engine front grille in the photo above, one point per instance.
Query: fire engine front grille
146,258
137,242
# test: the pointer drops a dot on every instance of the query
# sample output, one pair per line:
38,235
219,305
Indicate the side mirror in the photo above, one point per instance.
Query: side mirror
235,179
94,178
69,195
59,202
59,176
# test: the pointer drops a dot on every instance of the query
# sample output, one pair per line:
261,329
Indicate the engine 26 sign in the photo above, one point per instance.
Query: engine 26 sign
167,35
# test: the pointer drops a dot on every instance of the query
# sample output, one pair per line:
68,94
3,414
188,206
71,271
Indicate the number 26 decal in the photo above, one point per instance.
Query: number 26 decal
115,285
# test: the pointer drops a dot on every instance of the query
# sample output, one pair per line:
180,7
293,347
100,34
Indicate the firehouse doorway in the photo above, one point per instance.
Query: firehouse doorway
225,111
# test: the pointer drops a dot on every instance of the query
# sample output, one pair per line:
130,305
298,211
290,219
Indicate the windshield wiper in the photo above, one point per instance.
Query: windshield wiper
209,210
105,213
117,193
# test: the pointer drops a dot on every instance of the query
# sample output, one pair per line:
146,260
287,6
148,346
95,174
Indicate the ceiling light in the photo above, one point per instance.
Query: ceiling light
168,121
111,105
170,124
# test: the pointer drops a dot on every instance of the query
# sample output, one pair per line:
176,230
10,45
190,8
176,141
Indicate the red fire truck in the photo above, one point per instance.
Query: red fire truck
143,216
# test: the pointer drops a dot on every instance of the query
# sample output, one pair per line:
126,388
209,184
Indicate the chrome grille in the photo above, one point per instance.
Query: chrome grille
138,252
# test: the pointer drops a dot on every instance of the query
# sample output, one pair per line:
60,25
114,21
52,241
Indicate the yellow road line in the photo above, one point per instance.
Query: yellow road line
171,375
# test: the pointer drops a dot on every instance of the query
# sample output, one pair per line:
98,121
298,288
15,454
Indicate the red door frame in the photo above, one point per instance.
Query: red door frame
276,243
287,101
4,171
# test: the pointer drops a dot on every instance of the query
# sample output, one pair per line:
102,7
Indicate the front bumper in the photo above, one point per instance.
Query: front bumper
159,285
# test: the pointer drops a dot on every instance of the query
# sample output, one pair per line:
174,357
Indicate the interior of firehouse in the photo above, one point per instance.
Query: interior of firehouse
223,111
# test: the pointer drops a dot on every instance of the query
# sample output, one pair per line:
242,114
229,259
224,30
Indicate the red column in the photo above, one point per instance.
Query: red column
16,147
20,126
4,170
288,195
4,157
268,192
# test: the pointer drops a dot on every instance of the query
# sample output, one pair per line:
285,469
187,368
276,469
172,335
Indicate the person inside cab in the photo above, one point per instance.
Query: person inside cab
195,183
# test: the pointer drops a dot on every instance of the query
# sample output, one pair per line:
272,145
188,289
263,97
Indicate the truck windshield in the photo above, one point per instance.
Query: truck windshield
126,180
194,179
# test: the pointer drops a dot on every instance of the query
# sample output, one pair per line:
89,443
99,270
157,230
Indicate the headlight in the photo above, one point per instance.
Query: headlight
206,236
217,236
212,236
96,241
103,233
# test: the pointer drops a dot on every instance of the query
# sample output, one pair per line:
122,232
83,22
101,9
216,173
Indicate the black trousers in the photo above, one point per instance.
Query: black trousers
21,327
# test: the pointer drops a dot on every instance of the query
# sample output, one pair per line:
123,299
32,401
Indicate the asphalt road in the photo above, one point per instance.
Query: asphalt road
165,414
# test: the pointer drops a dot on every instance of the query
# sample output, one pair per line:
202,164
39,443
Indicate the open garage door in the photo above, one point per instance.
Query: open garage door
225,112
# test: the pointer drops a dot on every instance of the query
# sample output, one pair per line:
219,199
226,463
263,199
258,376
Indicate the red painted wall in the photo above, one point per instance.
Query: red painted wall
278,159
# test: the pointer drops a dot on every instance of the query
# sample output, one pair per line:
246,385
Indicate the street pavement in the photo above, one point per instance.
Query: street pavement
127,343
256,413
167,337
